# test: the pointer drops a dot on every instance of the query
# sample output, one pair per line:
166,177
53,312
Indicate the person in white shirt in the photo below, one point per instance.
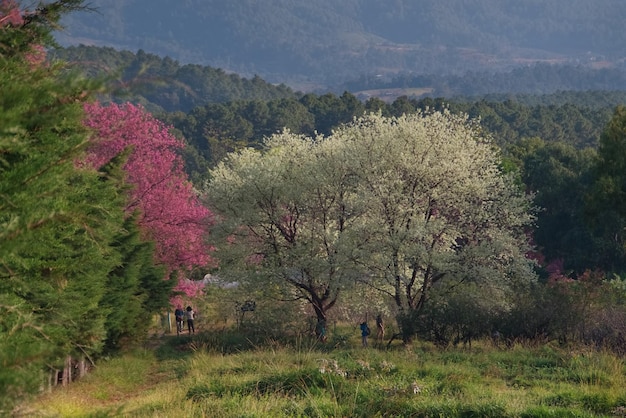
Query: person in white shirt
190,314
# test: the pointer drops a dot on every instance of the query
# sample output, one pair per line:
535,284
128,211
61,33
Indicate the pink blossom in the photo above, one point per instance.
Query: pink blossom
170,212
10,13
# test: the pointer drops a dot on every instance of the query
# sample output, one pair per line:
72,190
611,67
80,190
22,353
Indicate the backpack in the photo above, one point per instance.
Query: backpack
180,315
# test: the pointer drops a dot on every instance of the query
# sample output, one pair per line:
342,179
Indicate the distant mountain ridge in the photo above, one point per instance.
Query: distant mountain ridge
330,42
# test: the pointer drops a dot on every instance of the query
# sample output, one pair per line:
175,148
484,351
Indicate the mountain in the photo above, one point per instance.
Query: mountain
327,42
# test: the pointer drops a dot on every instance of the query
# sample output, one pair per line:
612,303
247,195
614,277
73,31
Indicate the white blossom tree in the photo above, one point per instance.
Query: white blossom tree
400,204
287,213
440,211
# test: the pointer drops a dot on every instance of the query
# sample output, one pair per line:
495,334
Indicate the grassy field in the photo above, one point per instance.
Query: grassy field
225,375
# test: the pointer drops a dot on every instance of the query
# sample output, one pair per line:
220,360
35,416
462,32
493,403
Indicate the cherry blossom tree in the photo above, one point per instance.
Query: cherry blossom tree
10,13
443,216
169,212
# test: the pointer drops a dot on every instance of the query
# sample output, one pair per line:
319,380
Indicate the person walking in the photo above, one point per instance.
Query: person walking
190,317
180,318
365,332
380,329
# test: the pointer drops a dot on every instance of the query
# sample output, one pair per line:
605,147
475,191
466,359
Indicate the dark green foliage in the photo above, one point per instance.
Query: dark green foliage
606,204
23,347
66,250
457,317
570,120
56,220
162,84
331,111
134,290
560,176
215,129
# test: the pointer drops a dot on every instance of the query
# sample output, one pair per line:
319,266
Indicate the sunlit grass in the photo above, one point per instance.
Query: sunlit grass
202,377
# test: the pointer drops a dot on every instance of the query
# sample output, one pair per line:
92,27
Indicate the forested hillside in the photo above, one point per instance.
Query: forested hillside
217,113
327,42
537,80
162,84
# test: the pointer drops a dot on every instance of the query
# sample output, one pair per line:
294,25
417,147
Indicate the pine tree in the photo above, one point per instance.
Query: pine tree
57,219
128,300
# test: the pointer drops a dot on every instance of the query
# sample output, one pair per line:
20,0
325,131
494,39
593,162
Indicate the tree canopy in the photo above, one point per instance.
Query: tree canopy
403,204
57,221
164,202
287,213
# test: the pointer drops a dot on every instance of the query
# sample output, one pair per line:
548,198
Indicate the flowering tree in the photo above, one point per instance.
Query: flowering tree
442,215
288,213
26,31
10,13
405,205
169,212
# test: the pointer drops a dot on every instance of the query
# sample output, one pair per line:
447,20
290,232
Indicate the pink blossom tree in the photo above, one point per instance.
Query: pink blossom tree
10,13
11,16
170,213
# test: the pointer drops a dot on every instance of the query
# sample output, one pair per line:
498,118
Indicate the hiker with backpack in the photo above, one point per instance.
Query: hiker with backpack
180,317
365,332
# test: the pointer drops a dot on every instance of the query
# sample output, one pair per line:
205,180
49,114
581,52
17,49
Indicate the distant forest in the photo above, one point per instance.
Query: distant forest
163,84
536,80
218,112
327,42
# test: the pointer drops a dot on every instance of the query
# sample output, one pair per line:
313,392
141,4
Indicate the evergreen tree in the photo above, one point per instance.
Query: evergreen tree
606,204
58,219
135,287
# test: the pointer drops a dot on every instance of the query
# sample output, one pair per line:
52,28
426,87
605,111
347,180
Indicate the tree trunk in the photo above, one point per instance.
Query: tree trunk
53,379
321,331
82,367
407,321
320,328
67,371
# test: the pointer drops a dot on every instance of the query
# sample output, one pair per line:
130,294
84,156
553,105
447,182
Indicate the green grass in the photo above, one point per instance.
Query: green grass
224,376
